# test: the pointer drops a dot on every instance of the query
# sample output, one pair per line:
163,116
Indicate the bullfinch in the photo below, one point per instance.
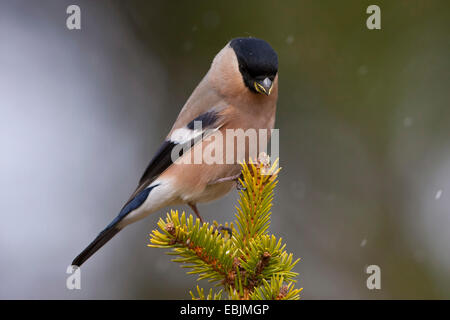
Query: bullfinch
238,93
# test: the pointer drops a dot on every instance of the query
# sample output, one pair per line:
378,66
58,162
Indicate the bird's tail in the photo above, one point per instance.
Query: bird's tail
112,229
98,242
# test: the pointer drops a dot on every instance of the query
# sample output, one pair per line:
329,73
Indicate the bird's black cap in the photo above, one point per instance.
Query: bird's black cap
257,59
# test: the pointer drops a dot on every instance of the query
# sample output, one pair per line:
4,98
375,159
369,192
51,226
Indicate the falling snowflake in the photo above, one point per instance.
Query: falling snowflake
408,122
362,70
290,39
363,243
438,195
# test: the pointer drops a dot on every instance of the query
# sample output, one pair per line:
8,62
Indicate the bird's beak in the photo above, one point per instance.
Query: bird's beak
263,86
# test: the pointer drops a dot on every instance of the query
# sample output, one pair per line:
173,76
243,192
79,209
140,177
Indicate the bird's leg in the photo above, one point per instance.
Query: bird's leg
220,228
239,185
194,207
230,178
235,178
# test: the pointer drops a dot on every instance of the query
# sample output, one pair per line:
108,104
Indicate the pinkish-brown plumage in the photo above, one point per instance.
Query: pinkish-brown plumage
239,91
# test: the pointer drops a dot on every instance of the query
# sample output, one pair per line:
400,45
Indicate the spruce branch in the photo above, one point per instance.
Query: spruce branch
250,263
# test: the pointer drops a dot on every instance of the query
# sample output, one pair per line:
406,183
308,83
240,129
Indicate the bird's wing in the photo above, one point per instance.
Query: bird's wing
183,139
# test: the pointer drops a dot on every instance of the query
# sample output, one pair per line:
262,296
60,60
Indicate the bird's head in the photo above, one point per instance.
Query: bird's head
258,63
245,65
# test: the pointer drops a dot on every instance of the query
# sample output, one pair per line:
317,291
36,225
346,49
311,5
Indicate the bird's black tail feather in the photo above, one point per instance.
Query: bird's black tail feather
112,229
98,242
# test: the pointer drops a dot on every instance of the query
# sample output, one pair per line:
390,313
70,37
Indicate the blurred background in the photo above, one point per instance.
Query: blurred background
364,123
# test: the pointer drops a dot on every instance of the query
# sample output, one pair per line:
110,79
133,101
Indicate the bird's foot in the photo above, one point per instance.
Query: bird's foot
220,229
236,178
239,185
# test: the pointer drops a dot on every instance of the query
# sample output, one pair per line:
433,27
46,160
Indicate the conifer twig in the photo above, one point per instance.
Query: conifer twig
252,264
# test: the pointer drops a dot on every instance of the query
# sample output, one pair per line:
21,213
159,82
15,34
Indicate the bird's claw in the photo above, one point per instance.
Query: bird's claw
222,228
240,186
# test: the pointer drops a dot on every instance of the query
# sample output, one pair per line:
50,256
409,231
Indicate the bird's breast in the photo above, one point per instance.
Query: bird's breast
210,192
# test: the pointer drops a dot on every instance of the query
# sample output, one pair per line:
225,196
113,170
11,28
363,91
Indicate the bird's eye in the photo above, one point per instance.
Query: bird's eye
242,67
260,78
